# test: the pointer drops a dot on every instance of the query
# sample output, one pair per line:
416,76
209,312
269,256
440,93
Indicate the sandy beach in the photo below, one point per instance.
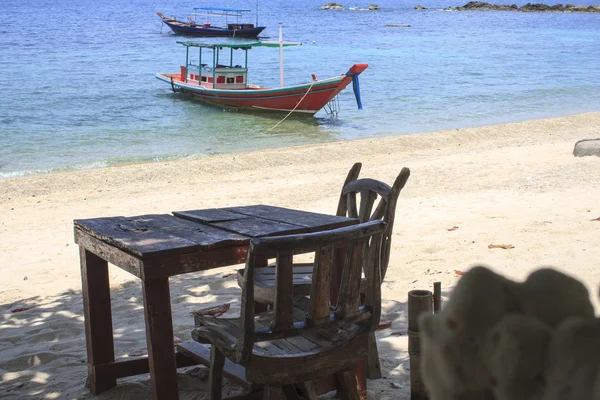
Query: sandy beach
513,184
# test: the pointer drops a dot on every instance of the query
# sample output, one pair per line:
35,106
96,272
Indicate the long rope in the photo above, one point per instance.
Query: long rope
294,109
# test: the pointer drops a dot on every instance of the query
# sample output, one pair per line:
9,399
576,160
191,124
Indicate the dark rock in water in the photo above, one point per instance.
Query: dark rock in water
419,7
574,8
529,7
536,7
587,147
332,6
483,6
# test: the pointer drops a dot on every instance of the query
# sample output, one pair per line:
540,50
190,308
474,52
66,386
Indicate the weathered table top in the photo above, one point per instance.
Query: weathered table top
163,235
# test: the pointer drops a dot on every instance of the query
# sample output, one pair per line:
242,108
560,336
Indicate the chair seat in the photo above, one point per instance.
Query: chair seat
264,282
297,346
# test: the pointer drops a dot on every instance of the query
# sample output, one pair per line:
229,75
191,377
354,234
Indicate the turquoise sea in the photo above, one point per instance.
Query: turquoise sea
78,85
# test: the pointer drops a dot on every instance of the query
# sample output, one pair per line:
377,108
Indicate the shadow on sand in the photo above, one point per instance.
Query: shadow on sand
43,349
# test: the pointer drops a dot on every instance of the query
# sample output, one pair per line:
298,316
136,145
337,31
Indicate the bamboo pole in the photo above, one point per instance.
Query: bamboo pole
419,301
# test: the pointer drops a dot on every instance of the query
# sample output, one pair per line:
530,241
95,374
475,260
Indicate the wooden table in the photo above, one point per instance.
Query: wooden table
153,248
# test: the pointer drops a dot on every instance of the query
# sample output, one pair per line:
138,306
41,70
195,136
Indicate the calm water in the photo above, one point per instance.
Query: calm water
78,85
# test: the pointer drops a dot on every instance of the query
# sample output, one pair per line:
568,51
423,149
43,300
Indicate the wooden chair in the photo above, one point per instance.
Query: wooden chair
299,341
369,191
365,199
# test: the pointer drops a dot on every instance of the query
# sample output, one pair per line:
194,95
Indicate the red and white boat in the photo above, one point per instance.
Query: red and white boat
227,86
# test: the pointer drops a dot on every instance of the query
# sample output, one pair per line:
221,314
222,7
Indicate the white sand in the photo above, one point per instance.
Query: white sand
513,184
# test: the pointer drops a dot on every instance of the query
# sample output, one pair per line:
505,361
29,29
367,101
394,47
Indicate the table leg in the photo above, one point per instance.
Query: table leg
159,338
98,320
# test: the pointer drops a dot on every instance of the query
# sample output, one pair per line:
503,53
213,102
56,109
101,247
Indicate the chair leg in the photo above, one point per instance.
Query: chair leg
373,365
215,375
273,393
347,386
290,393
308,390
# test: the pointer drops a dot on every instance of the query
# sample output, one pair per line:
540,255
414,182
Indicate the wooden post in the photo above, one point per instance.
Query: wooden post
419,301
437,296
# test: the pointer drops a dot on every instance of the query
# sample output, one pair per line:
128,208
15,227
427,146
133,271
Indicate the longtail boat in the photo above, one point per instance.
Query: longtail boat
207,29
226,85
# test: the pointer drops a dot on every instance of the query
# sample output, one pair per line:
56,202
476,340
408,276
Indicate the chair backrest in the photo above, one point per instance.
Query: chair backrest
358,242
369,209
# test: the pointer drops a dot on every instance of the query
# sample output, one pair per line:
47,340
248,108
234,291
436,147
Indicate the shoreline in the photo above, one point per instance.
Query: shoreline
112,163
515,183
9,185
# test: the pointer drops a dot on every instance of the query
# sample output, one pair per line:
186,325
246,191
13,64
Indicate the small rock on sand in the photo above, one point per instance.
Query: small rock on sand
587,147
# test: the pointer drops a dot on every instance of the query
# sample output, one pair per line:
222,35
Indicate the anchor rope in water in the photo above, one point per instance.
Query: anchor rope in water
294,109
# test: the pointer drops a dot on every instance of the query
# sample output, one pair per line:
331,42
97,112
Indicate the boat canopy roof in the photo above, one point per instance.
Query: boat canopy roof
232,12
236,46
220,9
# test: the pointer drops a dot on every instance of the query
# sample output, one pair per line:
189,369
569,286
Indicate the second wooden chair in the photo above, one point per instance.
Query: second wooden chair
357,200
366,199
298,342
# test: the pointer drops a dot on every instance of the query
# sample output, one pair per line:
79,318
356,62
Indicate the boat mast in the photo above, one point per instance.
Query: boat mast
256,14
280,54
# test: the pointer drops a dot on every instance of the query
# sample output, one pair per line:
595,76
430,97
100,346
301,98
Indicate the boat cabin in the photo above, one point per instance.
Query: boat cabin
222,77
217,74
237,27
211,71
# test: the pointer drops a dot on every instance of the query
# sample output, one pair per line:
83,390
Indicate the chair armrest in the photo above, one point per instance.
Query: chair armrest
219,337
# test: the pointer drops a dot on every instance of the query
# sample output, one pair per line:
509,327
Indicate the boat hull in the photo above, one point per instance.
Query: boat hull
216,32
306,98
